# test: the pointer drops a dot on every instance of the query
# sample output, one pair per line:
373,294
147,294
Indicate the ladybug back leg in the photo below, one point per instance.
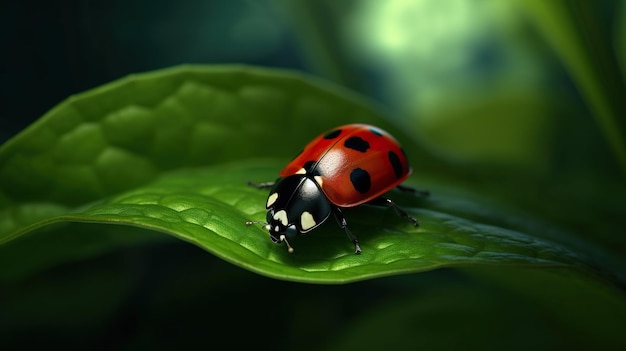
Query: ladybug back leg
383,201
344,224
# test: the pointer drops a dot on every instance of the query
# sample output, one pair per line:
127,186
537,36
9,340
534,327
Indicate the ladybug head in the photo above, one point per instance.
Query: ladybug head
278,233
280,227
278,230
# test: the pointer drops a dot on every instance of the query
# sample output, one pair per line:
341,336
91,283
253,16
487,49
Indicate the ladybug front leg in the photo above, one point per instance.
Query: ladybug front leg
261,185
383,201
344,224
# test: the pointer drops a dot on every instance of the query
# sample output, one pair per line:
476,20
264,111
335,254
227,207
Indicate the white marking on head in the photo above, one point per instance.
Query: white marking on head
282,217
301,171
319,180
271,199
307,221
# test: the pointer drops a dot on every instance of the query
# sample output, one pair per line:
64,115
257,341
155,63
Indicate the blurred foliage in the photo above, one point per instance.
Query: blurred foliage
524,98
521,99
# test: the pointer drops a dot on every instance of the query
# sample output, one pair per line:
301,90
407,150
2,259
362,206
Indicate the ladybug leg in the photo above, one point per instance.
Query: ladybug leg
261,185
408,189
344,224
383,201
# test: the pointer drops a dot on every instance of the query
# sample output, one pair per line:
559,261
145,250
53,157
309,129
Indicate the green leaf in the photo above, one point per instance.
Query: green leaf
171,151
209,207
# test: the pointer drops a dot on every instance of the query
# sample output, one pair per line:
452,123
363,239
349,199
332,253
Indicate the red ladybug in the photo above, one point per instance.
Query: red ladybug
344,167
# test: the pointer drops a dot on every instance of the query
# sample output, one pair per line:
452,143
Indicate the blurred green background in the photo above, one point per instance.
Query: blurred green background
523,98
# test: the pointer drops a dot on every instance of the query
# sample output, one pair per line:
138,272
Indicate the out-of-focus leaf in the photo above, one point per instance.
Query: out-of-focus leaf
510,308
584,41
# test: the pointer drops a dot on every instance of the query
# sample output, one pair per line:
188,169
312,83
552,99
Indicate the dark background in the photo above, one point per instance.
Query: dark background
66,47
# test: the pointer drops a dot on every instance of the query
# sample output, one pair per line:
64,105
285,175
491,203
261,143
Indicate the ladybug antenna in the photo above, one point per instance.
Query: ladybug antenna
267,226
289,248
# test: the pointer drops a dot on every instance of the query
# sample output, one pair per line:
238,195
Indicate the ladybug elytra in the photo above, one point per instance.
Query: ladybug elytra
344,167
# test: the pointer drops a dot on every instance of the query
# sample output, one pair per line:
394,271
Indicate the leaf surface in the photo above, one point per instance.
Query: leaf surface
171,151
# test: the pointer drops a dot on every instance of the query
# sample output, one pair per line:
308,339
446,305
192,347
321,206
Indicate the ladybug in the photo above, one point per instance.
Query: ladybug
344,167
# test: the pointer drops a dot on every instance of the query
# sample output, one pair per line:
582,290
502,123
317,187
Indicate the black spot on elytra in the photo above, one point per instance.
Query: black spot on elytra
308,167
357,144
360,180
395,163
332,134
376,131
